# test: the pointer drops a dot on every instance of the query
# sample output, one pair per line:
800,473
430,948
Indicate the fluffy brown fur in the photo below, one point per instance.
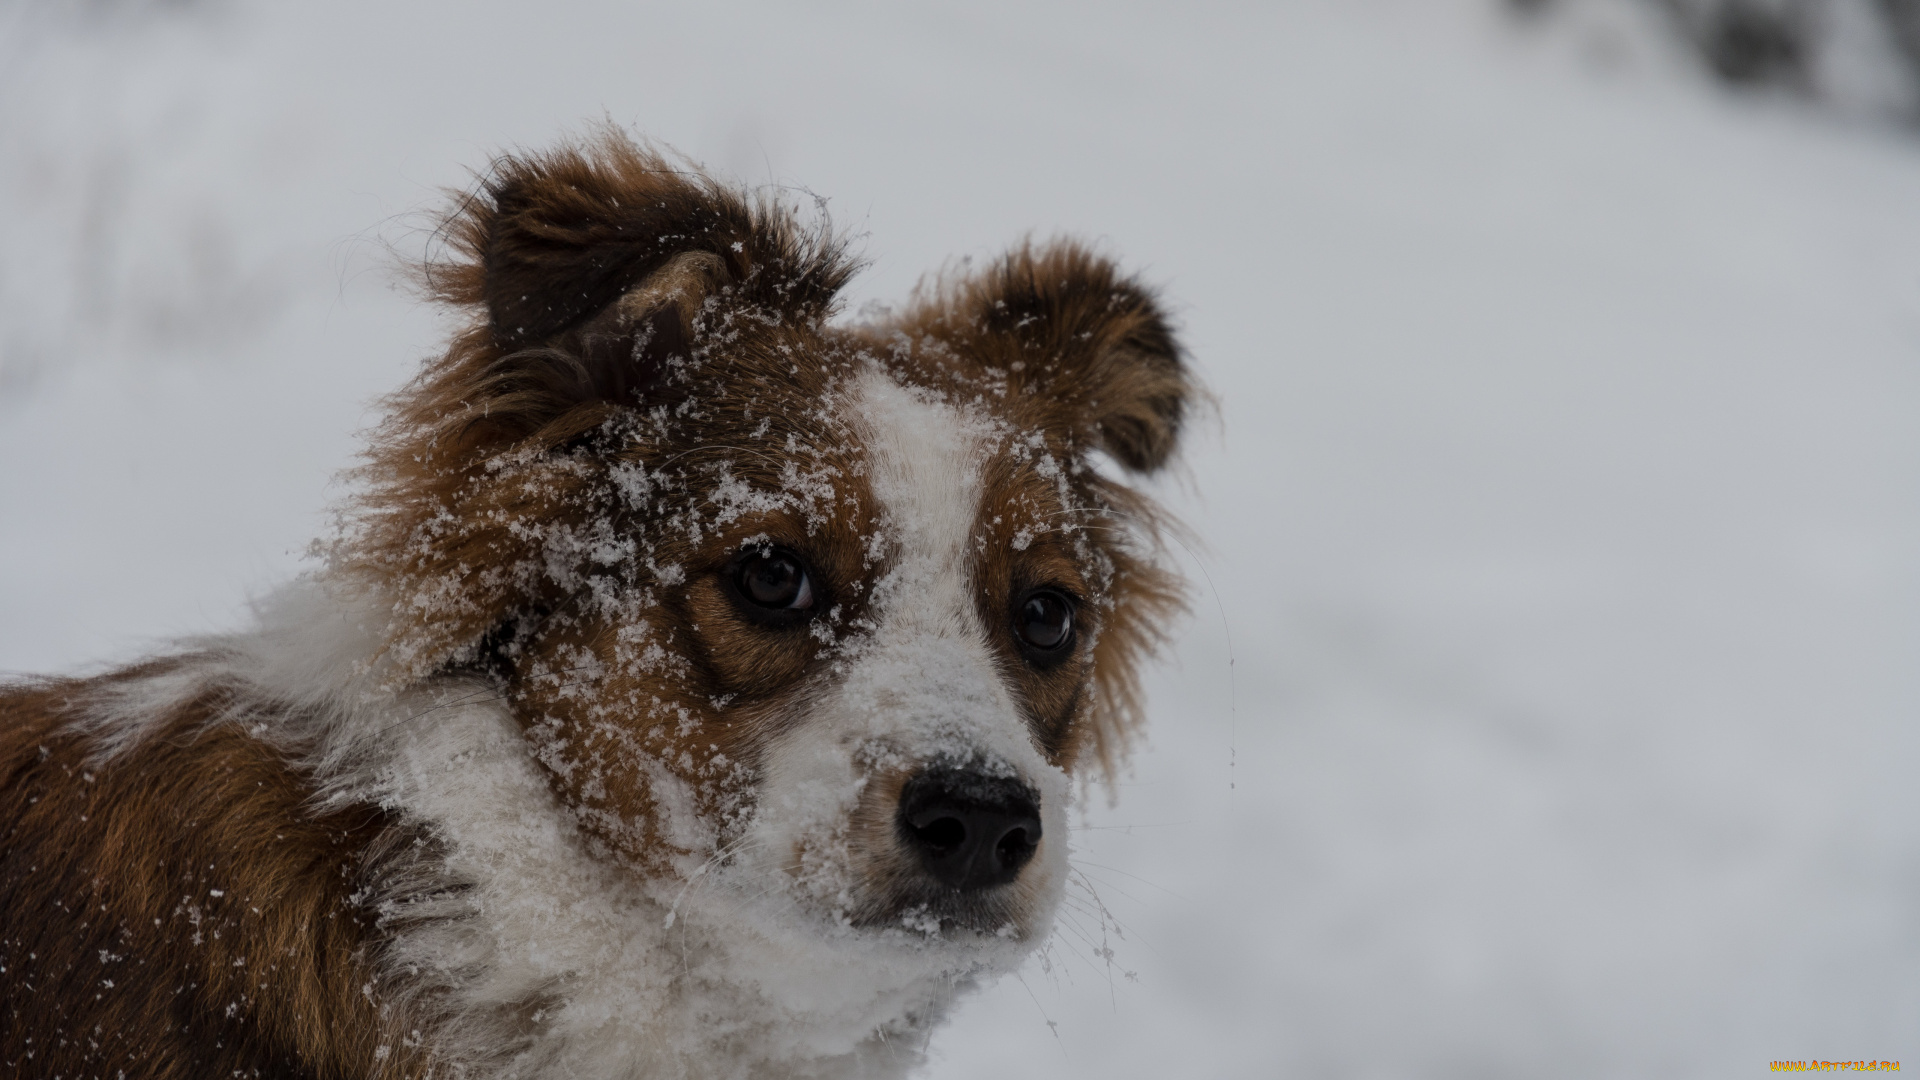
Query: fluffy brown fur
187,913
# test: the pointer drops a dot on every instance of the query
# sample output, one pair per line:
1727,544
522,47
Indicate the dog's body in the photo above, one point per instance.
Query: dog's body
693,689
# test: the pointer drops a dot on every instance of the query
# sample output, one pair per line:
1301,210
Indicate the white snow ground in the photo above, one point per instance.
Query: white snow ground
1563,512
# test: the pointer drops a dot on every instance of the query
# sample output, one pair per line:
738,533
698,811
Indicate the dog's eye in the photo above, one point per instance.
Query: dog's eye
1044,621
775,580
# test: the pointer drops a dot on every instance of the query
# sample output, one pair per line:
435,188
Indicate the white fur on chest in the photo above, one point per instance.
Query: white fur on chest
699,978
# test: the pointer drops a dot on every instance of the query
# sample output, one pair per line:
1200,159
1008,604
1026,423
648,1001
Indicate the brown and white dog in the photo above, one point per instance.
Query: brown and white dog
692,690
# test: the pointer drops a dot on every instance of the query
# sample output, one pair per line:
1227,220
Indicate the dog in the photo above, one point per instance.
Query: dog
692,687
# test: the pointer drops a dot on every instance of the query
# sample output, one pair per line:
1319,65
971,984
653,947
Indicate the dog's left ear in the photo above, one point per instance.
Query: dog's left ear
1086,351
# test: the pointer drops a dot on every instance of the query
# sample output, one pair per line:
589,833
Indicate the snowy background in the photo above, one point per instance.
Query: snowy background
1562,516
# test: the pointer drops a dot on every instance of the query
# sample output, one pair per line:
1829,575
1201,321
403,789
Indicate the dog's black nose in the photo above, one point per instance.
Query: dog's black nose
969,830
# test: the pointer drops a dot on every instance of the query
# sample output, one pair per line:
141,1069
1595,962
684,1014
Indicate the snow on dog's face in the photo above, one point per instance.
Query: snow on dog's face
836,609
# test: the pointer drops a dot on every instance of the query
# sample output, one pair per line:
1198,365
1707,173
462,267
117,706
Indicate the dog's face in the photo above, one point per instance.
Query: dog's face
836,610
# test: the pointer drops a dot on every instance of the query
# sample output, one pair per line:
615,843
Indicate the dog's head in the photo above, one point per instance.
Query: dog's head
838,607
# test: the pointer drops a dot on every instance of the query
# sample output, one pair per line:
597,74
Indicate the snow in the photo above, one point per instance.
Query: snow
1561,513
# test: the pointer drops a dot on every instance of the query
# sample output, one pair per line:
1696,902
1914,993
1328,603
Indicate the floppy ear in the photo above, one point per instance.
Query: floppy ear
1090,347
590,265
626,356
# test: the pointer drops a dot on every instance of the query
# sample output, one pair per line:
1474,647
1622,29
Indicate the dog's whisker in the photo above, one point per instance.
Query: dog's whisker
1128,828
1052,1025
699,877
1081,866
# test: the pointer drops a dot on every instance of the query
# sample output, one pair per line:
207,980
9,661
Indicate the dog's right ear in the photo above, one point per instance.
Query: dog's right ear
592,266
627,356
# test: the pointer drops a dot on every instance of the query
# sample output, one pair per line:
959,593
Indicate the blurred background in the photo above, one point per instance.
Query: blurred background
1548,704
